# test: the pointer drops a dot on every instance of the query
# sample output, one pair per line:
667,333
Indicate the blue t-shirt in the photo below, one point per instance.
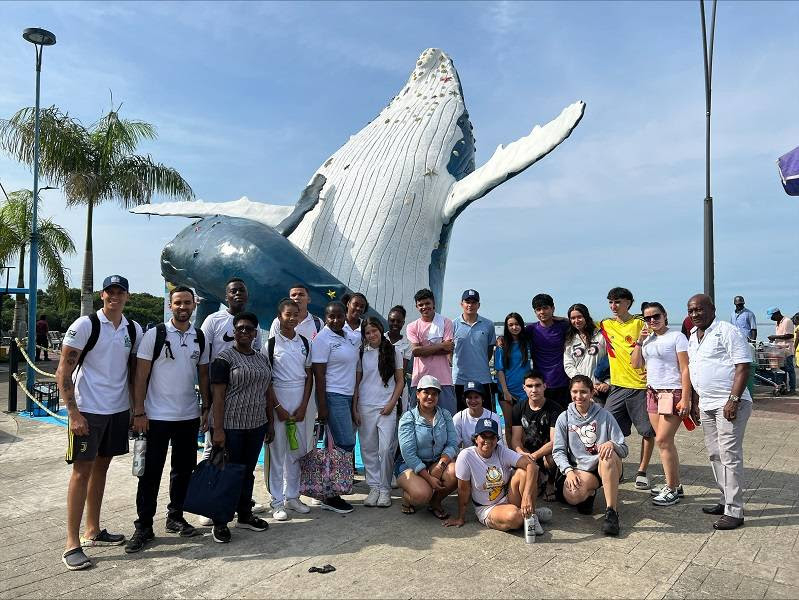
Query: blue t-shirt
516,371
470,358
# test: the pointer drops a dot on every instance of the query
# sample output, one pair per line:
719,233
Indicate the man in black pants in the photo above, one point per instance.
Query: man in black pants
165,408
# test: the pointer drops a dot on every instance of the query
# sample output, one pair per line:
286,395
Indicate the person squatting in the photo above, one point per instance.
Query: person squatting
431,417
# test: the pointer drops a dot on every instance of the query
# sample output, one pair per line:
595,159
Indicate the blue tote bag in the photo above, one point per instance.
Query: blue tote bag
215,487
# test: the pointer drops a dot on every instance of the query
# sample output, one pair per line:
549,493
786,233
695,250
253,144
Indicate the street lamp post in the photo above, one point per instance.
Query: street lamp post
39,38
707,48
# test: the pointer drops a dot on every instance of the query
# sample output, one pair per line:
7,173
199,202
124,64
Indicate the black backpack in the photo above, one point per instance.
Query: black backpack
270,348
95,335
161,341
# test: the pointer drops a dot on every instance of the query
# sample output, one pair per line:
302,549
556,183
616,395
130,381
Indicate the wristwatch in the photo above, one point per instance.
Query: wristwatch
734,398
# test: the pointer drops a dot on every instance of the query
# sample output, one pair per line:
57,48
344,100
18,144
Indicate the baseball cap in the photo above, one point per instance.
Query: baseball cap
484,425
771,311
472,386
117,280
427,382
470,295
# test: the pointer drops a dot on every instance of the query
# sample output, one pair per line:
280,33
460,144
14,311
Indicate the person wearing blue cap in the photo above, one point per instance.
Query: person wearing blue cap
783,337
474,346
502,497
465,421
97,357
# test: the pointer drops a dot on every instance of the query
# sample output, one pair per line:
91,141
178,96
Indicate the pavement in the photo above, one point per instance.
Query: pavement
661,553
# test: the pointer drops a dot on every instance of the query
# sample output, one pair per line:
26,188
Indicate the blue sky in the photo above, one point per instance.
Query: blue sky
250,98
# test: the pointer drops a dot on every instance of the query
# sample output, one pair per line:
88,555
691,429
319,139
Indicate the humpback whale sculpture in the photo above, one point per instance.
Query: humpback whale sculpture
378,213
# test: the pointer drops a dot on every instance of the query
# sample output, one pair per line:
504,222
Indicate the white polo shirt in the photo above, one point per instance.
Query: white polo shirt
101,383
218,330
289,362
306,327
170,394
372,391
712,360
340,354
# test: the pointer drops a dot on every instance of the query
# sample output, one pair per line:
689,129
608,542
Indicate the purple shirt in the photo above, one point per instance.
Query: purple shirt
547,350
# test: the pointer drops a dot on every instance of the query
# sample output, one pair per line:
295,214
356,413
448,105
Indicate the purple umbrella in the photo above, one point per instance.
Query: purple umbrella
788,165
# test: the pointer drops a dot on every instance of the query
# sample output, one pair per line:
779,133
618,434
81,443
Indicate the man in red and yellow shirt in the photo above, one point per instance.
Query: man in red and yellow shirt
627,398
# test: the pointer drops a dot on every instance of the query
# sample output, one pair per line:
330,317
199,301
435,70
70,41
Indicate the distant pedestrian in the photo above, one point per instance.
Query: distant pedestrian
744,319
42,341
719,363
783,337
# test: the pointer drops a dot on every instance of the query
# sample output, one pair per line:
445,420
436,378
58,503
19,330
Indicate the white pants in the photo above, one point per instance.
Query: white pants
282,466
310,417
378,436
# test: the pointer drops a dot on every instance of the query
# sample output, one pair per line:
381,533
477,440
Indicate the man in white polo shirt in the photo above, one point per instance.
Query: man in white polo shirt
165,408
93,375
718,360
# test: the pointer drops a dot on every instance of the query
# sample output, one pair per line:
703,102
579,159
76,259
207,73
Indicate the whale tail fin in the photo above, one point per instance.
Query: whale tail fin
508,161
308,200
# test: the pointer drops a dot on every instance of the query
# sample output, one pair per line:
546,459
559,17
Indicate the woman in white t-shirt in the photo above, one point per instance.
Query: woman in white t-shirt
664,352
379,384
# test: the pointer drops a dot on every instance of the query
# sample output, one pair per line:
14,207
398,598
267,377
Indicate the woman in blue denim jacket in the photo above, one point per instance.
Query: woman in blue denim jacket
428,443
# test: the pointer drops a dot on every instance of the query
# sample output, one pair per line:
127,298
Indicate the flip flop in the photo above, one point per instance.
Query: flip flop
438,513
408,509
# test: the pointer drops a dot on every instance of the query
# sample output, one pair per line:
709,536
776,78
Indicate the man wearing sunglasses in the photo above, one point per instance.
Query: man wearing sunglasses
627,398
165,409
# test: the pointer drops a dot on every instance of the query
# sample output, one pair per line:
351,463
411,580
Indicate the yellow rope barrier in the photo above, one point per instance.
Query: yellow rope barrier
30,362
39,404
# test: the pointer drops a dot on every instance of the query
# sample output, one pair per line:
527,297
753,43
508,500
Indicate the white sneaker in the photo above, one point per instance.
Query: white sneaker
372,498
666,497
544,514
258,508
655,491
205,521
384,500
297,505
279,513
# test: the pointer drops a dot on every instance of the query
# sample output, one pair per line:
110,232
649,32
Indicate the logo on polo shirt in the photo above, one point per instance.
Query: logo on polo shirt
226,337
127,342
195,355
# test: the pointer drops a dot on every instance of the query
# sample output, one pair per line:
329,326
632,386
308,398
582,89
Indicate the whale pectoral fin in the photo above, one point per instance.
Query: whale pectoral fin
508,161
306,203
268,214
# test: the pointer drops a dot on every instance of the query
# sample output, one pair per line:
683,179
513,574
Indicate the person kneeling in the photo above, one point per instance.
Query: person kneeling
588,449
501,501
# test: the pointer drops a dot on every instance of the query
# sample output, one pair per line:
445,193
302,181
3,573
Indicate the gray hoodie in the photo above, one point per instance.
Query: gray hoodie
586,434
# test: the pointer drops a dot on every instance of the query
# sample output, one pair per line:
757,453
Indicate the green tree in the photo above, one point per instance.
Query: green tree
15,234
92,165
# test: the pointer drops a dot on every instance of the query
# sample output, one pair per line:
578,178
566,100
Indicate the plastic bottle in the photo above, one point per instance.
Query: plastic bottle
291,434
139,451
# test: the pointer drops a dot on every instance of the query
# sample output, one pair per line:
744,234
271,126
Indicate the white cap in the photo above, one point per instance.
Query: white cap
427,382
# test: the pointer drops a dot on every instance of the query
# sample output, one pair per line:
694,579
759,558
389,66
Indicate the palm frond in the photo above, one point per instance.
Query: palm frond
137,178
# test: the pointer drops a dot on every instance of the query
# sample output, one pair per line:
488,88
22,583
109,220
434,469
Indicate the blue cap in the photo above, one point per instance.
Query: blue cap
116,280
772,311
470,295
487,424
472,386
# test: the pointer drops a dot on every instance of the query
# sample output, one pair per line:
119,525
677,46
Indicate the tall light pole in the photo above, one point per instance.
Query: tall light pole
39,38
707,49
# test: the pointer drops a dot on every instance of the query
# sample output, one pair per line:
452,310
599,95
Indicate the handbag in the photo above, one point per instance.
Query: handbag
326,471
215,487
665,402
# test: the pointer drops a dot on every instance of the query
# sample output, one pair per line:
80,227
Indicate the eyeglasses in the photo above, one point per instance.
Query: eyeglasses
245,328
656,317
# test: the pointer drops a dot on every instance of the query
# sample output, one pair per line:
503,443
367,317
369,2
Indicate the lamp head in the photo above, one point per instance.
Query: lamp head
40,37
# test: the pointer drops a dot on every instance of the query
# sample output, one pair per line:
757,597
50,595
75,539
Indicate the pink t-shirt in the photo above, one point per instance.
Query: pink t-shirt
424,333
784,327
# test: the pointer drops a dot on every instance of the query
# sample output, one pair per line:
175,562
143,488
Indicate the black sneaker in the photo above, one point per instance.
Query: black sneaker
181,527
336,504
611,524
103,539
137,541
252,523
586,507
221,534
75,559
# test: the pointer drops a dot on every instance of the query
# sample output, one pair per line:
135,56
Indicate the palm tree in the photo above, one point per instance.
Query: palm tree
92,165
54,242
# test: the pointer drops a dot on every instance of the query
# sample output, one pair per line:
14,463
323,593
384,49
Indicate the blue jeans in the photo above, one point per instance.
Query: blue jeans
790,369
244,447
339,420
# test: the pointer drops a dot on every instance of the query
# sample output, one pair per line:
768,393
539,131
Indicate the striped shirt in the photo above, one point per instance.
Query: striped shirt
247,377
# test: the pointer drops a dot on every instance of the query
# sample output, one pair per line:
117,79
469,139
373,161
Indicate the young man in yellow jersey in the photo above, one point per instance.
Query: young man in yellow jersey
627,398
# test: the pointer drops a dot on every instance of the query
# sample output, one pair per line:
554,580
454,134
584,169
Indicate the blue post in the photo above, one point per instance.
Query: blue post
34,262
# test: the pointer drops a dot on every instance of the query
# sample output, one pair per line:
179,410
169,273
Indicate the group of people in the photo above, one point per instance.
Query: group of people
422,402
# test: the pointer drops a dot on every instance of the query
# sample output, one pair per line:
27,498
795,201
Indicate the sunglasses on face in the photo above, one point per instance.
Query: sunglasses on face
245,328
650,318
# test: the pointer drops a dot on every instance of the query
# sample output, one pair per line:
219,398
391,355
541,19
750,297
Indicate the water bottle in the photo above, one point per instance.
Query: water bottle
291,434
529,529
139,450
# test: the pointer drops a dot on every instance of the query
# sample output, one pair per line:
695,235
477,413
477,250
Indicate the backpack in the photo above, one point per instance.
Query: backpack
270,348
95,335
161,341
317,323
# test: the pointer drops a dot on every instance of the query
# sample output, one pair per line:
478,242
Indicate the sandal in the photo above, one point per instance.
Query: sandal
408,509
438,512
